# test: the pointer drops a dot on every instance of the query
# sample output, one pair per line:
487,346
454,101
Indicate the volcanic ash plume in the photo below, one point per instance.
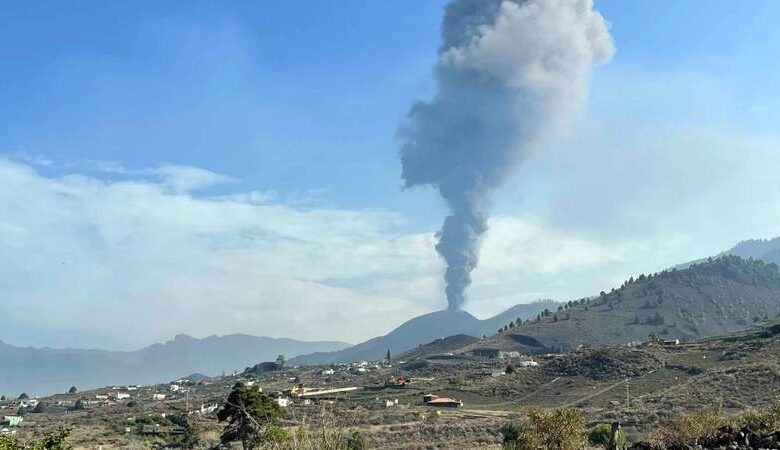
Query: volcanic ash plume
506,69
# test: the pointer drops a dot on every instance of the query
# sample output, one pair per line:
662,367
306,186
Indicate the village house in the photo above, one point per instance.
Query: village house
494,353
13,421
208,409
28,403
120,395
157,396
388,403
441,402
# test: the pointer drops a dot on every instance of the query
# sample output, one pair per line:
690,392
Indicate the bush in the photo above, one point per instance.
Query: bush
763,421
356,441
510,432
601,435
276,435
561,429
688,428
51,441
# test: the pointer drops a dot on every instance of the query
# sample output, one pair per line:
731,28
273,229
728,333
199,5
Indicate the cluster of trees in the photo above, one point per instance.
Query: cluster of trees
512,324
570,305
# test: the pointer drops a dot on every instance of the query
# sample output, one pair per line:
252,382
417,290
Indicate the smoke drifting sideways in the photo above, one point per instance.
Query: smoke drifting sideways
506,70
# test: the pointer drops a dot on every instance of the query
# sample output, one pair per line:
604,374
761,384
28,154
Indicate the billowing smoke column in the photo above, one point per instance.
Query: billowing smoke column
506,69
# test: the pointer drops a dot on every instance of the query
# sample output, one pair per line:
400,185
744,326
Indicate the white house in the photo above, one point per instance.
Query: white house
13,421
388,403
207,409
157,396
121,395
28,403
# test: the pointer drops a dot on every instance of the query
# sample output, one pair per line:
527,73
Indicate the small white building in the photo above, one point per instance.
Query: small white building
121,395
207,409
13,421
495,373
157,396
528,364
283,402
28,403
388,403
327,372
101,396
174,387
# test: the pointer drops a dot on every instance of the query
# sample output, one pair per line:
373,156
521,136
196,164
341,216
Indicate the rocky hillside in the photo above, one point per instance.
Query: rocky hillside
711,298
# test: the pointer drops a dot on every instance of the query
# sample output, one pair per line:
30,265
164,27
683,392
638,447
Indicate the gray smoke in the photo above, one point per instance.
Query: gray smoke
506,69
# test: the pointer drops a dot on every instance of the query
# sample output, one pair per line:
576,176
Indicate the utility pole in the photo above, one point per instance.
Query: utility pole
628,395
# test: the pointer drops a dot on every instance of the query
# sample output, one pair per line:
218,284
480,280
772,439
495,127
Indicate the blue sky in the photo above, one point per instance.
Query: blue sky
297,104
293,97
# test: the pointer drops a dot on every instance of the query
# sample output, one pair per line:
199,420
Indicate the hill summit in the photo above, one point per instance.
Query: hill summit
717,296
423,329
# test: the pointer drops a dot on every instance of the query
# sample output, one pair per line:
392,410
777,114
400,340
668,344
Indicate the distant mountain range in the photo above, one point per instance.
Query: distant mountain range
711,298
423,329
45,370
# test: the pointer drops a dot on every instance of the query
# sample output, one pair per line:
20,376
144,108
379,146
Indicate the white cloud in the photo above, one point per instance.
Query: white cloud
122,263
130,261
188,179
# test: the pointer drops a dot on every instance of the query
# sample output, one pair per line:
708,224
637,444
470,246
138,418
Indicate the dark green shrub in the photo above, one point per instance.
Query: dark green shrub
601,434
356,441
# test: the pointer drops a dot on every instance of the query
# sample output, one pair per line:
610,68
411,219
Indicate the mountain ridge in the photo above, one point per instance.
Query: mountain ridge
46,370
